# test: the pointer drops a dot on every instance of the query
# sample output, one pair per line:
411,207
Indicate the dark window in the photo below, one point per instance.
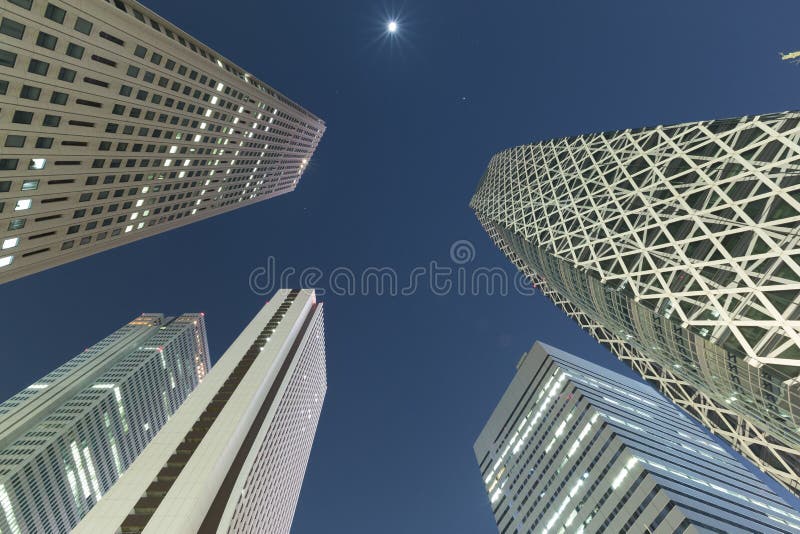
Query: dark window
119,109
51,120
22,117
111,127
59,98
170,64
91,180
104,61
44,142
3,87
29,92
79,213
94,81
75,51
83,26
109,37
156,58
133,71
140,51
54,13
73,229
125,90
149,77
12,28
16,141
8,164
22,3
38,67
66,75
7,59
45,40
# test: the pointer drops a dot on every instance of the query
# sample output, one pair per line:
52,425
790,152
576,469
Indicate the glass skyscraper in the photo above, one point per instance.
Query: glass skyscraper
117,125
233,457
573,447
66,439
677,248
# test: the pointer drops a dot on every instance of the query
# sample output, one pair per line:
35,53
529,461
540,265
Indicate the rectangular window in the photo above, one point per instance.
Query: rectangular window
55,13
3,87
140,51
30,185
83,26
59,98
38,67
45,40
51,120
8,164
156,58
15,141
44,142
29,92
12,28
75,51
22,117
66,75
7,59
133,71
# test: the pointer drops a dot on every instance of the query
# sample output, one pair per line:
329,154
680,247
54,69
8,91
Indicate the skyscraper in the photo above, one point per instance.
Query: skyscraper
117,125
65,439
677,248
233,458
574,447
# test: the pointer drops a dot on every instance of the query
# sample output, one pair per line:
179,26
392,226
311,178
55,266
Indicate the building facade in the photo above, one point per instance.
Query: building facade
233,458
573,447
676,247
117,125
66,439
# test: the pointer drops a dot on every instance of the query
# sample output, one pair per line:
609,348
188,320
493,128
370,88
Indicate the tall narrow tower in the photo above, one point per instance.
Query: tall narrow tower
574,447
65,440
677,248
233,457
117,125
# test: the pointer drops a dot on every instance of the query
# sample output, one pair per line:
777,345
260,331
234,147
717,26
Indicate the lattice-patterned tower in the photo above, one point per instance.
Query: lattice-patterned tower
677,247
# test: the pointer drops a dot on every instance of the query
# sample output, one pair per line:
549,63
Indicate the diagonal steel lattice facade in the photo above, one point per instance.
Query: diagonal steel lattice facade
677,248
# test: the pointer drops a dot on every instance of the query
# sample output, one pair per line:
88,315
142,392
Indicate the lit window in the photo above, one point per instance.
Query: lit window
22,204
30,185
6,261
128,228
37,164
11,242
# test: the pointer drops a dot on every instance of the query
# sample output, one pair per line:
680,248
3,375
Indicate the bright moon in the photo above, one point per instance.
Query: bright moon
392,27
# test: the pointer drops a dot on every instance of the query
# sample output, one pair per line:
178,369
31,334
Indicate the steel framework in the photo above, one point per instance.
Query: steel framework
677,248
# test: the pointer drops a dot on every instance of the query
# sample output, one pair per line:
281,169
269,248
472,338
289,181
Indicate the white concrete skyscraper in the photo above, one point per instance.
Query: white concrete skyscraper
573,447
65,439
116,125
677,248
233,457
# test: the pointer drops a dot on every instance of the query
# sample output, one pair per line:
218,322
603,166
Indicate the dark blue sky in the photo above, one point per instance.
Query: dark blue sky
412,123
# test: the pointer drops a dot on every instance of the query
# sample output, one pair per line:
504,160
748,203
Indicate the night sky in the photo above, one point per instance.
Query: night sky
412,122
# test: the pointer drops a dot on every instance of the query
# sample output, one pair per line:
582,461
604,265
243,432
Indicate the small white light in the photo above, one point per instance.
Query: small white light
11,242
392,26
139,202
